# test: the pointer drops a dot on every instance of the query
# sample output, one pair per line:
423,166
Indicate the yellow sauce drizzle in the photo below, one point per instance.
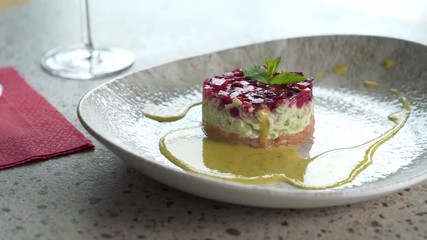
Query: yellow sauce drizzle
264,125
370,84
394,91
388,63
340,69
167,114
192,151
318,75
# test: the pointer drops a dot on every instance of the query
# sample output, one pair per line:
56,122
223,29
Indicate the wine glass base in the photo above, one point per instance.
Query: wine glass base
82,63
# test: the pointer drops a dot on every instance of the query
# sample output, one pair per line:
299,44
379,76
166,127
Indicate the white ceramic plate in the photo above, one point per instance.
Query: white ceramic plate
346,114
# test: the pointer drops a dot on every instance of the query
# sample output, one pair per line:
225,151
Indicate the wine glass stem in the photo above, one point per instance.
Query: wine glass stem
86,29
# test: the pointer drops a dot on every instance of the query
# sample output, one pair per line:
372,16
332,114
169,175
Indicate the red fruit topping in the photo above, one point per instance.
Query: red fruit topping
220,83
224,97
234,112
246,106
238,72
254,94
303,85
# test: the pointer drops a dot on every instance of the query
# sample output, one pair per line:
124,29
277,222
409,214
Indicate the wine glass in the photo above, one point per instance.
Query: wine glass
86,62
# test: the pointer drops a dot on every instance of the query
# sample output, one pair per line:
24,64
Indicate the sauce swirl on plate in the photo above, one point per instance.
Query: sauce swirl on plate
191,150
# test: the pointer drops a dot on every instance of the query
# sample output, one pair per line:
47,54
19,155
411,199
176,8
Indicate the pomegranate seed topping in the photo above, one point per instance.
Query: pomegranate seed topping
207,91
254,94
238,72
303,85
247,105
245,83
220,83
249,88
228,75
234,112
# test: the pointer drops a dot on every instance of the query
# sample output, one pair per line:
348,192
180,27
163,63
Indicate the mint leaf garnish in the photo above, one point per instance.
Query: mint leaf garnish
272,66
285,78
268,75
257,73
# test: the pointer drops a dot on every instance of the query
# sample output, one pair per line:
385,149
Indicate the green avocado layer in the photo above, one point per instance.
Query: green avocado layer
284,120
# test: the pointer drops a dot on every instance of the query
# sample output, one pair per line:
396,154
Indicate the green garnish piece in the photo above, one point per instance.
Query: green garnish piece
285,78
267,74
272,66
257,73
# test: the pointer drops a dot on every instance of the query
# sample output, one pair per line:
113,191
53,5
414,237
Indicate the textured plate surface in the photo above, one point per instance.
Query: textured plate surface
347,114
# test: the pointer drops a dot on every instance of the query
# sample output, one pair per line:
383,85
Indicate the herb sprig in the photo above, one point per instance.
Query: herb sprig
268,74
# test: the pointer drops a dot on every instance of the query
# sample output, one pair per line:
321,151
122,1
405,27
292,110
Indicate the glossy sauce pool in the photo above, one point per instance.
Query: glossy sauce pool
191,150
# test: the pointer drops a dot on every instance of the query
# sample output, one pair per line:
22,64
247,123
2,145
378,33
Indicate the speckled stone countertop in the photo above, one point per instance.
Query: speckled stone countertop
95,195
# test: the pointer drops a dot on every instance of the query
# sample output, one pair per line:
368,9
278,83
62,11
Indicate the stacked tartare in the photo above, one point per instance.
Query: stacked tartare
238,109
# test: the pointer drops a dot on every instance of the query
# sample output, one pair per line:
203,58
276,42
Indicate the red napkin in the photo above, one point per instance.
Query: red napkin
30,128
